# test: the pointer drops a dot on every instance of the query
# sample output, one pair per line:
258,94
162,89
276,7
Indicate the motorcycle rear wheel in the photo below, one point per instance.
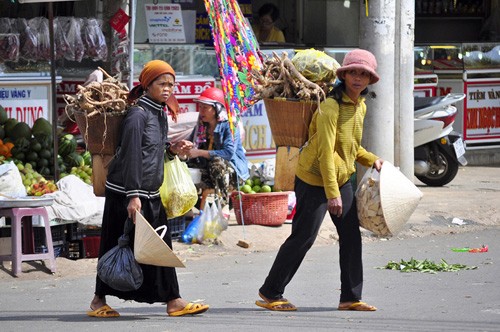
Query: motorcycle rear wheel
442,172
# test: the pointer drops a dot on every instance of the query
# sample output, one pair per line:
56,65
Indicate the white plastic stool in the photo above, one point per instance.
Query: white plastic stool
17,256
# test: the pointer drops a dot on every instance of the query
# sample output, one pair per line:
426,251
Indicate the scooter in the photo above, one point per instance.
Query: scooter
438,149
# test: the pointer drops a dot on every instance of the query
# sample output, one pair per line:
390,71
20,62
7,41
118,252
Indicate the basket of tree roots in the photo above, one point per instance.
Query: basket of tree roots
292,90
99,108
267,209
386,200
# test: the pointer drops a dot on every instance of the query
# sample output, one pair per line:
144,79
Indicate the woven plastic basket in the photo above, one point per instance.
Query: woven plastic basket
100,131
289,120
267,209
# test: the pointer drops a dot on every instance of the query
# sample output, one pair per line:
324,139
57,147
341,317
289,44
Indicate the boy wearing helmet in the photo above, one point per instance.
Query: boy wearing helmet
217,152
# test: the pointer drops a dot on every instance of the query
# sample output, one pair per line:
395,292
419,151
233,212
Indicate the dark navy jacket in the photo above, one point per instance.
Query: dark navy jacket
137,169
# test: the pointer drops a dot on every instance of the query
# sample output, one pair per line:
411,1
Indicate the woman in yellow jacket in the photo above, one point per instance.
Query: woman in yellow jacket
322,185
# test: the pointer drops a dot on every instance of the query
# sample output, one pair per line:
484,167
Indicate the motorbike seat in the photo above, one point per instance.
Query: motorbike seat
424,102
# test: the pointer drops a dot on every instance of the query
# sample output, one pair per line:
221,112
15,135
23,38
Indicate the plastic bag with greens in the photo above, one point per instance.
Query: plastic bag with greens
178,192
316,66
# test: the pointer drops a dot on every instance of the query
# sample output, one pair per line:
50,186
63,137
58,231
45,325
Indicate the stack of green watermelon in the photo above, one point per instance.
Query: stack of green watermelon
35,146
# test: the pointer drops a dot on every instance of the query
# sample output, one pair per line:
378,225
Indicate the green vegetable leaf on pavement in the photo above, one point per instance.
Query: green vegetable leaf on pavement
425,266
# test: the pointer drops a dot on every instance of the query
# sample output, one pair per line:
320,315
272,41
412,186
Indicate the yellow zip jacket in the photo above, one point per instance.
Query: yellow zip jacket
328,158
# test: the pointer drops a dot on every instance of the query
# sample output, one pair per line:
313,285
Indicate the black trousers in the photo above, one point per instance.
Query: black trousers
310,211
160,283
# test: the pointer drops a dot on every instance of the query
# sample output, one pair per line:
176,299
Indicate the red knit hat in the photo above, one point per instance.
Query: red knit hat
360,59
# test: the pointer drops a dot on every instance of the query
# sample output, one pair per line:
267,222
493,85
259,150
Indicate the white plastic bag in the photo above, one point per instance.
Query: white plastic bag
205,219
214,227
11,183
369,205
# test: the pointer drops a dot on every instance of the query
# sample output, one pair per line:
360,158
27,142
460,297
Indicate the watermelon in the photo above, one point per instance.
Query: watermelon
9,126
87,157
67,145
22,144
21,130
45,140
45,154
3,115
74,159
42,127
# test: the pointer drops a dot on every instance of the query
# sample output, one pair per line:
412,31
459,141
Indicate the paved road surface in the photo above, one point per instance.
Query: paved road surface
446,301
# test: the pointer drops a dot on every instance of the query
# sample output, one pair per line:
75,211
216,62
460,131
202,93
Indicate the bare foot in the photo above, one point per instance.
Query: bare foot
176,305
97,302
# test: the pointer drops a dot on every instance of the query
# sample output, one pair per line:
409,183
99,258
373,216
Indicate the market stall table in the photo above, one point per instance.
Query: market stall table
16,209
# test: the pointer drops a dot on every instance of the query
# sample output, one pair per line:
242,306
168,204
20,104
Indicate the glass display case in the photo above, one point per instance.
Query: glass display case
481,60
472,69
186,59
449,58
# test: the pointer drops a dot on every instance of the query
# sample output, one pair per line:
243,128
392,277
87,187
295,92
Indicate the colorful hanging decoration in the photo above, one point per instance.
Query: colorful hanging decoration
237,54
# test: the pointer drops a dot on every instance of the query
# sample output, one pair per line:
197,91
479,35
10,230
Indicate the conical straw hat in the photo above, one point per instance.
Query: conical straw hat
399,197
149,247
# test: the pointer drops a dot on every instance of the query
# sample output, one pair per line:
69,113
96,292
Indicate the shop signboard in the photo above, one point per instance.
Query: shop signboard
189,87
203,31
258,143
165,24
482,112
26,100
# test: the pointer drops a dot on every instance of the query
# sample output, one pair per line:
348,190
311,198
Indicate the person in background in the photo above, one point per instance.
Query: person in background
322,185
133,182
265,31
217,152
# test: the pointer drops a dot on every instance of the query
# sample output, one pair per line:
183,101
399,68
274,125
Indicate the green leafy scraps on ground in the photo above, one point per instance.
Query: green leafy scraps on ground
425,266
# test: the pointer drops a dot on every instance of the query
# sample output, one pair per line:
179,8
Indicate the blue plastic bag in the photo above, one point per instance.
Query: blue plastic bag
191,232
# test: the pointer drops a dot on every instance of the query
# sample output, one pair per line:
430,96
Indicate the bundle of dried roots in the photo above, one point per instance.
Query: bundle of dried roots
108,95
280,78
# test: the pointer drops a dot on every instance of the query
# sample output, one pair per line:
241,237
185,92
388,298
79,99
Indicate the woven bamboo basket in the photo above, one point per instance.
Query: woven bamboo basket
267,209
100,131
289,120
100,164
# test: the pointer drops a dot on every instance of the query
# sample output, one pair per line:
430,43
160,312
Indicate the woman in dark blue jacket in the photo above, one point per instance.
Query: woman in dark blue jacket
217,151
133,182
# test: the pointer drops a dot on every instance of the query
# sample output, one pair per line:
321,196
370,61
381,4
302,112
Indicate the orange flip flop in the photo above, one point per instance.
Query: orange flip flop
357,306
191,309
103,312
276,305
